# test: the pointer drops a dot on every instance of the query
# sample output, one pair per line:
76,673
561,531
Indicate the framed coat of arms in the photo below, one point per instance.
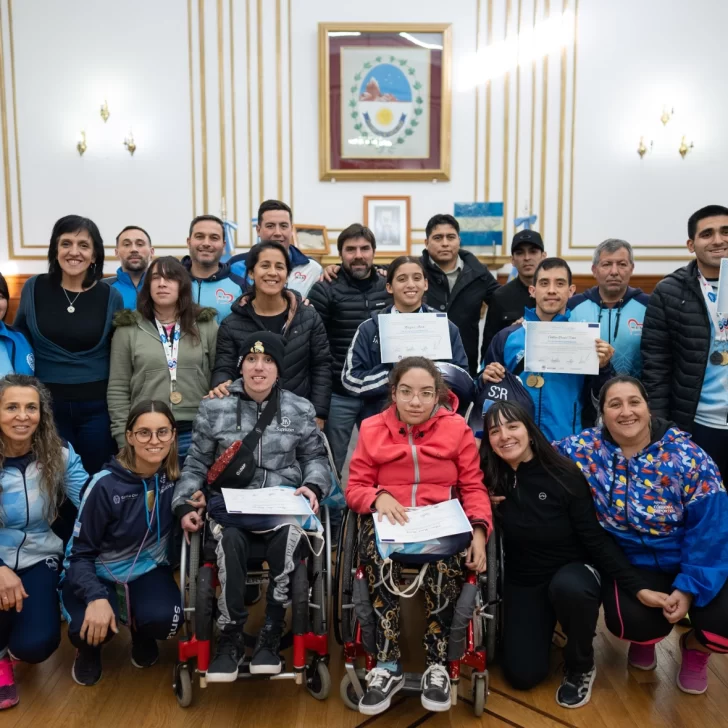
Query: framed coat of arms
384,101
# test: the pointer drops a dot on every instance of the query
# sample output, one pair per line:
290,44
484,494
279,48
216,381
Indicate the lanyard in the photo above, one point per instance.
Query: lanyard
720,322
171,349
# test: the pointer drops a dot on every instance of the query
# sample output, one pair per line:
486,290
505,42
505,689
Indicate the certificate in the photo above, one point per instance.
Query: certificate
425,523
561,347
414,334
277,501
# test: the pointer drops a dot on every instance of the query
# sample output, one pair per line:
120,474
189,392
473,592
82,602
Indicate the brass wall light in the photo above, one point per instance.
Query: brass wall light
105,113
642,149
81,144
684,147
130,144
666,115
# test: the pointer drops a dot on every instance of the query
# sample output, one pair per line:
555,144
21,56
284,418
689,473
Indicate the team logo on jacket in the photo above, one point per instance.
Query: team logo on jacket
635,327
222,296
542,496
117,500
31,361
285,422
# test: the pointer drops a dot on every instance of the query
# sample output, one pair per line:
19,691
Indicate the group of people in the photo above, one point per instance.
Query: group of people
127,403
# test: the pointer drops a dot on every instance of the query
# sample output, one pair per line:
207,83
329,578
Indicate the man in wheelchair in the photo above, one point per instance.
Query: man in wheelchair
257,437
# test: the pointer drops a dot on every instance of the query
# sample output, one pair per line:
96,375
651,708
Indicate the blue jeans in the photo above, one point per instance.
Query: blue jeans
344,413
34,634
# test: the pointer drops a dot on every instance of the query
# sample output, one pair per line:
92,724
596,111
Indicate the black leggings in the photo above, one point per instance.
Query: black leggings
531,612
627,618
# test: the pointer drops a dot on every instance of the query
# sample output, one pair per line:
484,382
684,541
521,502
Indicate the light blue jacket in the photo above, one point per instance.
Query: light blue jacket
20,353
25,533
219,291
123,283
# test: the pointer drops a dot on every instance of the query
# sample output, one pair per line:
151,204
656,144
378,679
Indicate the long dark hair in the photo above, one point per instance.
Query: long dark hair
75,224
4,293
253,256
418,362
498,473
127,456
187,310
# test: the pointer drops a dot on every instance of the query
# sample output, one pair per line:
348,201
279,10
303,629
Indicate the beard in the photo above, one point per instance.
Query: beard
136,264
360,273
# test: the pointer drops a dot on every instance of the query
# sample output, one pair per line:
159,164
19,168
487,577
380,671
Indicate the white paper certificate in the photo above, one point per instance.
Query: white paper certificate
414,334
425,523
561,347
266,501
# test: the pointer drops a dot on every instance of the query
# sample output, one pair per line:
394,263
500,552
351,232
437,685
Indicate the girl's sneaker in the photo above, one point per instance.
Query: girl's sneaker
693,676
8,689
642,656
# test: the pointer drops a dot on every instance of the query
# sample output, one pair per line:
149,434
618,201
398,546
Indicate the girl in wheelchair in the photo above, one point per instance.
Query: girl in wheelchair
281,446
417,452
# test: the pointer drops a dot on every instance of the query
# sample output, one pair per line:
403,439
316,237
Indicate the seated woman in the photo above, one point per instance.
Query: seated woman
270,306
164,350
661,497
364,374
37,469
414,454
116,568
551,540
16,354
289,452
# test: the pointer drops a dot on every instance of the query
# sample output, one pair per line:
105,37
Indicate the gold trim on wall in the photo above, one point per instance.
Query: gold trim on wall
221,98
506,135
478,8
290,103
518,120
5,144
248,230
192,108
233,133
544,127
489,42
562,124
15,123
203,103
533,119
259,73
279,101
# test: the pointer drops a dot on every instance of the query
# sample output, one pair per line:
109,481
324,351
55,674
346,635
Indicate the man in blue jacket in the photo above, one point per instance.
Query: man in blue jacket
614,305
275,222
135,252
559,399
213,282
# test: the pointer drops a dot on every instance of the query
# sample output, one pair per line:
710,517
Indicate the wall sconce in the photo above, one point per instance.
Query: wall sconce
642,149
666,115
81,144
130,144
105,113
684,147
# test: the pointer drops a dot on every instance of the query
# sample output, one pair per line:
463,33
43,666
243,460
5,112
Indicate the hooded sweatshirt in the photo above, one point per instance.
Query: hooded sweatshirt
123,283
18,351
117,535
621,325
666,505
218,291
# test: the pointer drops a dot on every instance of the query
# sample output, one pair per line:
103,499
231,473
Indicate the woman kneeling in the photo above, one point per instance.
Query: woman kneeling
415,453
663,500
116,563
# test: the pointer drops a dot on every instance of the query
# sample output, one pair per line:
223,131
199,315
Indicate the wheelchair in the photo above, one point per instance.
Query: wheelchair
309,593
480,632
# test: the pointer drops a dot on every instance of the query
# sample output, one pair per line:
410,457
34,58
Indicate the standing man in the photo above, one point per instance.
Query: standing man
558,399
457,282
510,301
213,283
343,303
135,252
612,303
275,222
685,341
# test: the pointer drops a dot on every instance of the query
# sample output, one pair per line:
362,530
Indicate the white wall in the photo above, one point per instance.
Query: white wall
60,60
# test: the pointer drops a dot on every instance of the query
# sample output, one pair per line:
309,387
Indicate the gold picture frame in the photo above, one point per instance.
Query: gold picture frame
388,217
413,118
312,239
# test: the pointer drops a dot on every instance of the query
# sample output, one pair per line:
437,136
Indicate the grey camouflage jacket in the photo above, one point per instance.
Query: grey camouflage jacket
291,450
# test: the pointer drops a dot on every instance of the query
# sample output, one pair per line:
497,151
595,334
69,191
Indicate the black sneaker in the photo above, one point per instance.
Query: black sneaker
224,666
436,689
144,650
575,689
266,660
86,668
381,686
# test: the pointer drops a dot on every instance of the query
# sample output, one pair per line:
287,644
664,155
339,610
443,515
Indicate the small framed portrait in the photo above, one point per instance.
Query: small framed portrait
312,239
389,220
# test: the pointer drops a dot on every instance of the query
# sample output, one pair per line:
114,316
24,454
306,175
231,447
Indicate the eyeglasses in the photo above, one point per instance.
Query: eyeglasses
164,434
407,395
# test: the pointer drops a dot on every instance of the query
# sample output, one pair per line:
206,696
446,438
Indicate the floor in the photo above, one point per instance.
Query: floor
131,698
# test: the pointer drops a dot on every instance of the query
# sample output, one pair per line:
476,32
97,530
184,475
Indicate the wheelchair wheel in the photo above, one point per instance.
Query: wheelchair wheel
348,694
343,612
318,619
491,597
182,684
318,680
193,573
480,693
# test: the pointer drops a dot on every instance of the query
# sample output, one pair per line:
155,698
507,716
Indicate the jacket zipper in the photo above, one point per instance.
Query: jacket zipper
27,522
573,424
416,464
609,327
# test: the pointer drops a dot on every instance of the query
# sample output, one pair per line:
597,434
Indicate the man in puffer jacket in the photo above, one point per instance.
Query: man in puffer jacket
290,452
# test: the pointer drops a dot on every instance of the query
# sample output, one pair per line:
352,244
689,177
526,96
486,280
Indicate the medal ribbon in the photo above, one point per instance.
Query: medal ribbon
171,349
720,320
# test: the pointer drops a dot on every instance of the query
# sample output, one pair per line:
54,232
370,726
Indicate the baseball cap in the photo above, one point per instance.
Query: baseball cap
530,237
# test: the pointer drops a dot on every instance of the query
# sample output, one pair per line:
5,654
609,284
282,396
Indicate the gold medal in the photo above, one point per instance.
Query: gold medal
175,397
150,500
535,380
724,356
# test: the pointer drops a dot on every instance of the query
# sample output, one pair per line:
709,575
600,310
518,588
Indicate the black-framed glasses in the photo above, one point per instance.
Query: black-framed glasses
164,434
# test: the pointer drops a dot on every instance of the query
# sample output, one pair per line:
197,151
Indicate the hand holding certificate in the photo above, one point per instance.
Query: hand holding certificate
414,334
266,501
425,523
561,347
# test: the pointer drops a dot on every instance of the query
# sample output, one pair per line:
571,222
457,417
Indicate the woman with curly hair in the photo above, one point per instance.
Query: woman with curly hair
37,470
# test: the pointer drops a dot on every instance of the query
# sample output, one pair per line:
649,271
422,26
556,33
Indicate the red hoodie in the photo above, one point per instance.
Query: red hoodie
418,465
